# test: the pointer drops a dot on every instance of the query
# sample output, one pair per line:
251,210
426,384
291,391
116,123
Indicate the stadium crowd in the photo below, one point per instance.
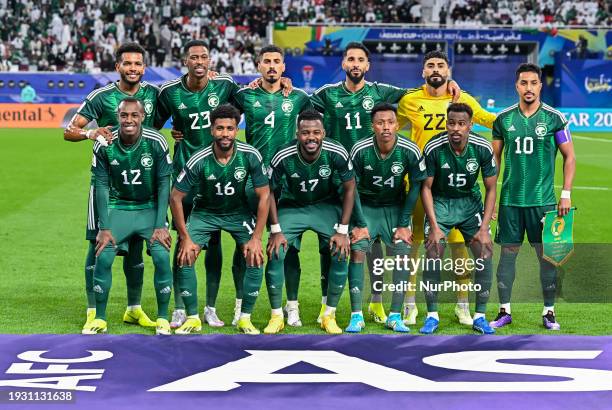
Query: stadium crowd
81,35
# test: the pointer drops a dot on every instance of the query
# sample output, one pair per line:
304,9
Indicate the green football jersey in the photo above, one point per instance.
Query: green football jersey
221,187
346,115
133,171
381,182
529,155
306,183
190,112
456,176
270,117
101,104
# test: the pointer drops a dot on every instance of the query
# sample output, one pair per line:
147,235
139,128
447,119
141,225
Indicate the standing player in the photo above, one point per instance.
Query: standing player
531,132
270,118
346,107
132,189
451,198
220,173
309,201
101,106
381,163
424,109
189,100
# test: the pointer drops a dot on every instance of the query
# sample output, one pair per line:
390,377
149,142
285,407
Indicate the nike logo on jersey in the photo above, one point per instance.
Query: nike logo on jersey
512,128
182,106
339,105
257,104
211,177
114,162
445,166
295,175
369,168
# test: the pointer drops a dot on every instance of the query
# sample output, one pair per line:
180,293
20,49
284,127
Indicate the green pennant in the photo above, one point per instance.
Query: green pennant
558,237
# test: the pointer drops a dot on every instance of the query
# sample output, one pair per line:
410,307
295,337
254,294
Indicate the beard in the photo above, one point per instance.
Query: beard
355,79
272,80
221,147
437,82
126,80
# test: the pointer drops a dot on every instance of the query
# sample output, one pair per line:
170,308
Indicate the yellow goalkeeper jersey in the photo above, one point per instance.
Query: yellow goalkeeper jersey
427,114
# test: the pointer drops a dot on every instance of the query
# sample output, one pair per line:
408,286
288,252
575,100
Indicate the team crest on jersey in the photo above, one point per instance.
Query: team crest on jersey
213,100
471,166
146,160
368,103
324,171
541,130
397,168
148,107
287,106
240,174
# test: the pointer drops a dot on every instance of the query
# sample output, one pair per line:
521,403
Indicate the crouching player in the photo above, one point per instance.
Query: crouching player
381,162
132,190
220,173
309,201
451,199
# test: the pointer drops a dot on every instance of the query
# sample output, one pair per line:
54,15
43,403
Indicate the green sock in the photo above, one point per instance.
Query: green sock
293,273
162,279
548,280
133,267
238,270
103,280
506,271
376,252
484,278
178,300
275,277
400,278
252,283
337,279
325,262
188,288
431,278
355,280
213,262
90,264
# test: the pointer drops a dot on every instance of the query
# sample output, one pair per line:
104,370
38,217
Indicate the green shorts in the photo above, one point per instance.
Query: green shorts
382,222
202,225
320,218
464,214
514,221
130,226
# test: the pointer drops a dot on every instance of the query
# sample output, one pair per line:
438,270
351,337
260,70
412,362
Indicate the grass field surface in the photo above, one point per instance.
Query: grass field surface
44,185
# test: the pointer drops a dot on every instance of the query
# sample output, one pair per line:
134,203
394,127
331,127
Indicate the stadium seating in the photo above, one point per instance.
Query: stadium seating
81,36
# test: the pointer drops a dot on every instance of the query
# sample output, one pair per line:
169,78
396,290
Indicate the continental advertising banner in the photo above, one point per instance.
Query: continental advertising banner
36,115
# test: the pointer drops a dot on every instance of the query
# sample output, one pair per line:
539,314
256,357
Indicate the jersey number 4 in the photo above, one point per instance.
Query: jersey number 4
430,119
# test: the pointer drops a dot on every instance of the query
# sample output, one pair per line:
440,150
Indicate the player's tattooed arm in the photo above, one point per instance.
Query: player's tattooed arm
253,251
75,131
569,170
454,90
435,233
188,251
277,239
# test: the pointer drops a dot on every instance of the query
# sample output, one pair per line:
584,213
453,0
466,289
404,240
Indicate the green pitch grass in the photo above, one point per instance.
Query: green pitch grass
44,184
